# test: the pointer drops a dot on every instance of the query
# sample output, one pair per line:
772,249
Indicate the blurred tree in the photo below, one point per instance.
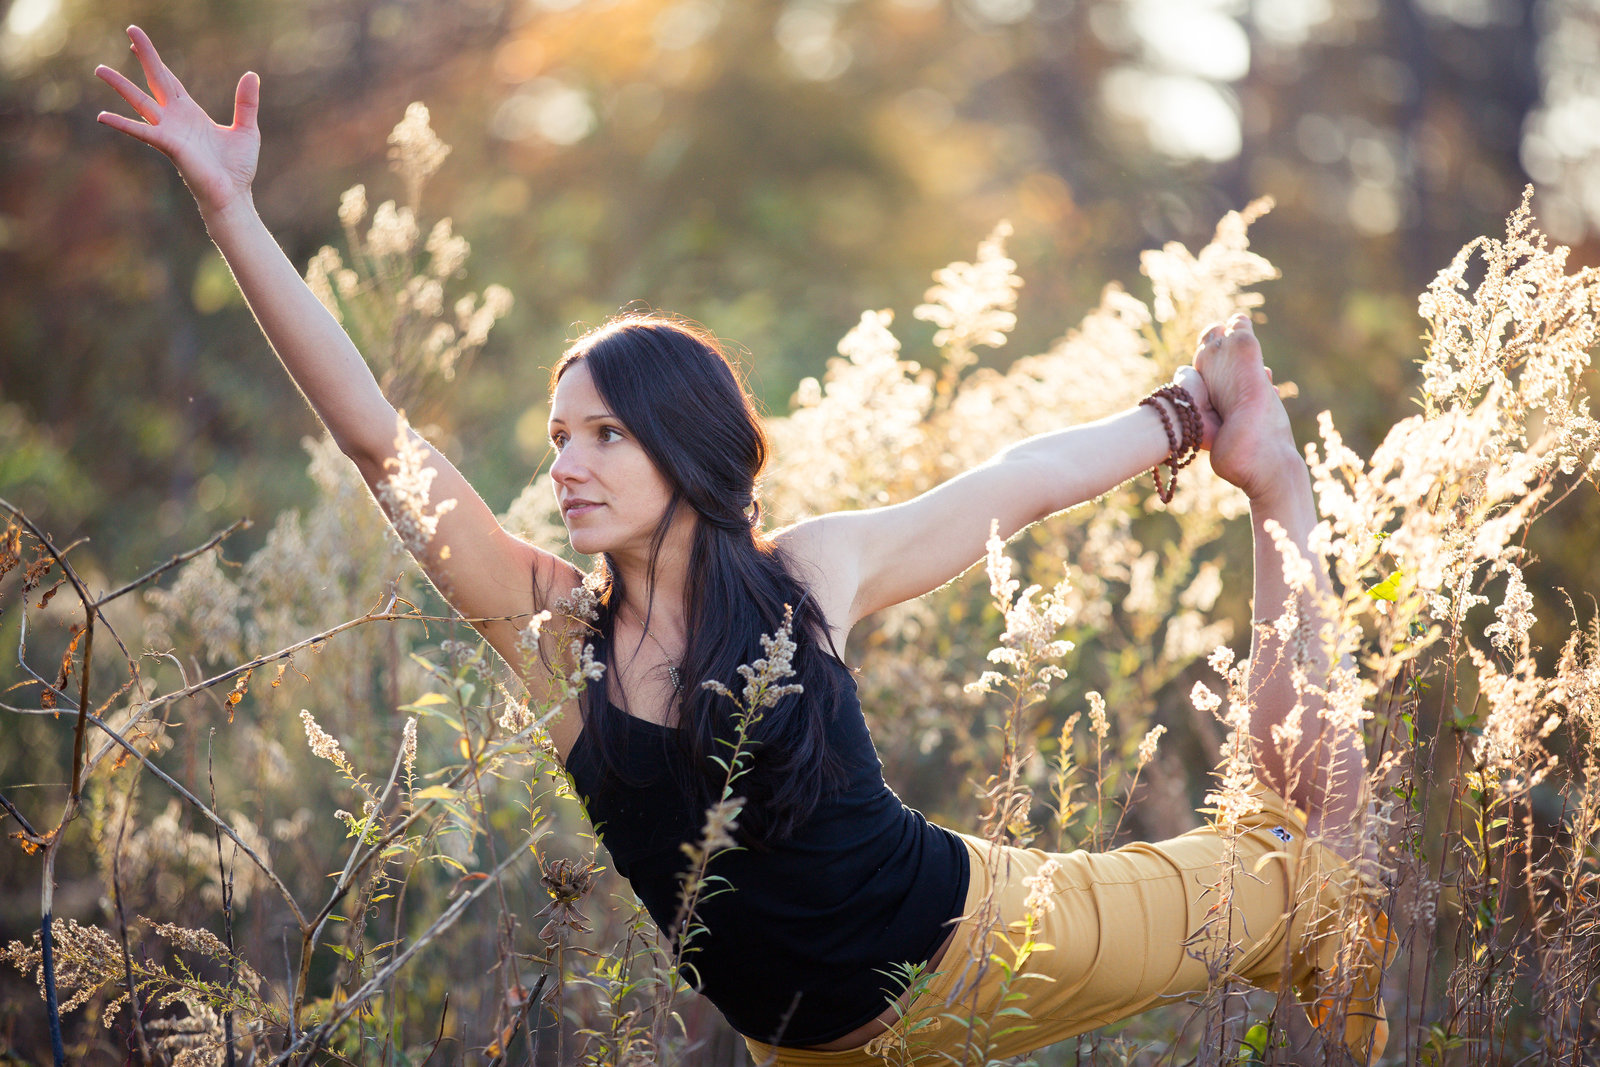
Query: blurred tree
768,167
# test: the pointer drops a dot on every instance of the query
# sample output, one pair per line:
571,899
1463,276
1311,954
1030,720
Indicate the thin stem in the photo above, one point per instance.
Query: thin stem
31,835
354,865
47,950
78,587
201,807
225,877
182,557
122,927
374,984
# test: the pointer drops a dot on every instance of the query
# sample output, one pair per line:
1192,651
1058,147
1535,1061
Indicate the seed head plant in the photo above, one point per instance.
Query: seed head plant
326,825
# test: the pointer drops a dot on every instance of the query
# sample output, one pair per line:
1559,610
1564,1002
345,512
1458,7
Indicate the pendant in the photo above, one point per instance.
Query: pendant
676,678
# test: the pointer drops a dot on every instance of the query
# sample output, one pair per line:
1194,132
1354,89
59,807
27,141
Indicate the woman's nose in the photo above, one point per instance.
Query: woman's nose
568,467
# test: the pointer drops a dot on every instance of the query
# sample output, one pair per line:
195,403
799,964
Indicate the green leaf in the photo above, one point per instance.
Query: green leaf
1389,588
1254,1048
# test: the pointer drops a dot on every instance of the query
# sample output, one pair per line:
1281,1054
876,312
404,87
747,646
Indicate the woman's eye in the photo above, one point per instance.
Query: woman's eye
610,433
557,441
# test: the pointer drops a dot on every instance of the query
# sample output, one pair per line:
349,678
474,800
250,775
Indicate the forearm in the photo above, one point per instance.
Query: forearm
1083,462
895,553
313,347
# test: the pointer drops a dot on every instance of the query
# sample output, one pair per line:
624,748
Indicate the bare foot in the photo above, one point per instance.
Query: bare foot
1254,445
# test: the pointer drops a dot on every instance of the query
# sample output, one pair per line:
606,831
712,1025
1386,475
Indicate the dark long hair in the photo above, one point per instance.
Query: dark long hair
673,387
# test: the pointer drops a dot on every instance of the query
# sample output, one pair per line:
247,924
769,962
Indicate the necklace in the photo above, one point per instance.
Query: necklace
673,674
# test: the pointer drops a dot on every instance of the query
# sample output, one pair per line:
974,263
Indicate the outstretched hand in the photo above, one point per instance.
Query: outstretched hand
218,163
1254,447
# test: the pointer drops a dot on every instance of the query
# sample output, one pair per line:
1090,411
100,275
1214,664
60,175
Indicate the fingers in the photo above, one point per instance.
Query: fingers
139,131
136,97
247,101
164,84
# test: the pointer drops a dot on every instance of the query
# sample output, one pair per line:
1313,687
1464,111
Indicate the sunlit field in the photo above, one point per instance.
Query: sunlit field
267,800
325,825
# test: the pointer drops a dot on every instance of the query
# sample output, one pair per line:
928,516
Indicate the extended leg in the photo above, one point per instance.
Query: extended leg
1319,767
1323,773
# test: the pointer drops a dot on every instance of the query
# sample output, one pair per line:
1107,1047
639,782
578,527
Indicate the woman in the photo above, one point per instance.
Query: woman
658,455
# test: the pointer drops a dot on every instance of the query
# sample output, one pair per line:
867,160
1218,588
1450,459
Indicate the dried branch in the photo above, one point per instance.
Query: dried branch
201,807
30,835
354,864
180,558
225,880
122,928
353,1003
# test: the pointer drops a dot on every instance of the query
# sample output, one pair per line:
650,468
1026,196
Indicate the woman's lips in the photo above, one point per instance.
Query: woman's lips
580,507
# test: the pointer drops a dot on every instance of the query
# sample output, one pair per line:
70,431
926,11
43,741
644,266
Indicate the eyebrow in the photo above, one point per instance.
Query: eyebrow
586,418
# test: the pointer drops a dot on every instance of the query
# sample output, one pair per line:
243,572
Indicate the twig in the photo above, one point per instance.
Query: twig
32,836
352,868
225,877
353,1003
520,1023
88,647
47,950
83,712
443,1012
534,999
182,557
122,927
200,806
288,979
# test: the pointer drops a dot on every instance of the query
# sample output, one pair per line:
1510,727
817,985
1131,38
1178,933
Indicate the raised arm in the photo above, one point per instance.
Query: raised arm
487,572
859,562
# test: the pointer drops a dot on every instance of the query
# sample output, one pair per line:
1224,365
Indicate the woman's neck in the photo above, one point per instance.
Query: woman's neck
659,600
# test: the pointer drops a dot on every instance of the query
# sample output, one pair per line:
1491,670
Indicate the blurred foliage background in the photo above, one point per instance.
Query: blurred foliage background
769,167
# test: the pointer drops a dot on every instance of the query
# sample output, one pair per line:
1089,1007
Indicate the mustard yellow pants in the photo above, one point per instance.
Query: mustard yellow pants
1120,932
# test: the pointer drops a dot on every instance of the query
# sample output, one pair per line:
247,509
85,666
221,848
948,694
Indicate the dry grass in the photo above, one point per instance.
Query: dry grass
290,873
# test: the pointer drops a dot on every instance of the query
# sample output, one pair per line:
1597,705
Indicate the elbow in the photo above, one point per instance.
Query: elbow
371,445
360,452
367,455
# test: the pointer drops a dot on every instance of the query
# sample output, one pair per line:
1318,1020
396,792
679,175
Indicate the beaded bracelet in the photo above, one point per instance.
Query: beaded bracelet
1180,453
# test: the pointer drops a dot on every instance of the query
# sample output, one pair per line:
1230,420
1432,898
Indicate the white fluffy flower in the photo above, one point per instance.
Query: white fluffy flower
404,493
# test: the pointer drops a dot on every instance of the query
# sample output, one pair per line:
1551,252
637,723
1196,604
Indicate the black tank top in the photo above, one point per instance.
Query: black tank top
796,953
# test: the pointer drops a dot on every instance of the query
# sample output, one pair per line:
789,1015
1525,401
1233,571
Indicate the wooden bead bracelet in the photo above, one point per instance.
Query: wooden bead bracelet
1180,452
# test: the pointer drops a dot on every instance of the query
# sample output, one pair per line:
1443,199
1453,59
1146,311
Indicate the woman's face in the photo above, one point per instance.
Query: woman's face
610,493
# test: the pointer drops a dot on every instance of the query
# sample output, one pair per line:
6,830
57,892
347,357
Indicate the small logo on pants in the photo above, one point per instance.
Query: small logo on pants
1281,834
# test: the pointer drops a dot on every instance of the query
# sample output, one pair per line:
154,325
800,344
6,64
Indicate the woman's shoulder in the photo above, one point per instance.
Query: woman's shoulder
810,552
